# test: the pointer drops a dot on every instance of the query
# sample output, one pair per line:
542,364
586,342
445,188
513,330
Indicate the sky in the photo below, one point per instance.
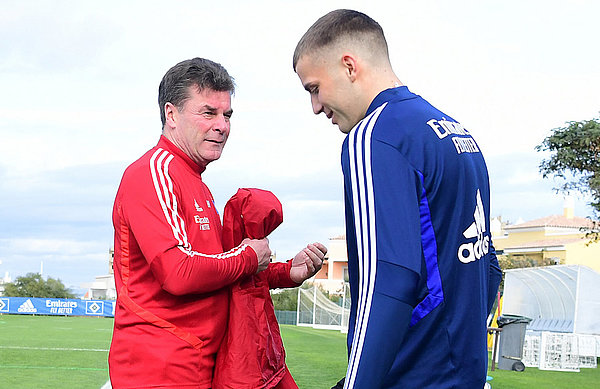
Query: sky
79,82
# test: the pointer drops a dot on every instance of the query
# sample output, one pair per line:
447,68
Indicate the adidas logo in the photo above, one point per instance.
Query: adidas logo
471,251
27,307
198,208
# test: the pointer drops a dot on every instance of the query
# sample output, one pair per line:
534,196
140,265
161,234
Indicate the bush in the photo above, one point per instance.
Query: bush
33,285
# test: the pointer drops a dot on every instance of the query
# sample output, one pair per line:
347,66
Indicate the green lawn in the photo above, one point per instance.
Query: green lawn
54,351
316,358
71,352
533,378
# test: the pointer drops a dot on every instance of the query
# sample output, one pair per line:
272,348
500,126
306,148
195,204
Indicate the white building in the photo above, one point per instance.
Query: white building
334,272
5,280
103,286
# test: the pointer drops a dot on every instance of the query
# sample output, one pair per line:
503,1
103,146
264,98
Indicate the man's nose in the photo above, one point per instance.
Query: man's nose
316,104
221,123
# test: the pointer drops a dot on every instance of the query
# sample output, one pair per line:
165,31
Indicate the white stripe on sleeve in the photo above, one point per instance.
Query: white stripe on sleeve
163,185
364,220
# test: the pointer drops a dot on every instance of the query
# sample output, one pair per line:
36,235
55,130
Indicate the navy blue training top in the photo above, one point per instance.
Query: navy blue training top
423,271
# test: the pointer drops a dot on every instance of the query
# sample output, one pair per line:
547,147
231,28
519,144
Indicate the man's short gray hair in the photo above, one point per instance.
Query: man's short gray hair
199,72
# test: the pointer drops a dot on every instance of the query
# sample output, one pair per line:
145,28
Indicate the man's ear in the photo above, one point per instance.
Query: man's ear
171,114
350,65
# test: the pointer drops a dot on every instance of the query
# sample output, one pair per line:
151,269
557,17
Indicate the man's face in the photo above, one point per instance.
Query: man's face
202,125
331,91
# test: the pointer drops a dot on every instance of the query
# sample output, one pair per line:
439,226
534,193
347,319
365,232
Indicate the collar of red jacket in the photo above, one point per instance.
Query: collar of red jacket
171,147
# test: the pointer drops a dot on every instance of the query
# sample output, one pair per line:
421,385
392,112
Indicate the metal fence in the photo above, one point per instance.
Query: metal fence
286,317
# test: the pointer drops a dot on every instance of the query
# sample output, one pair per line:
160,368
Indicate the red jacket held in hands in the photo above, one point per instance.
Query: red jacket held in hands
252,354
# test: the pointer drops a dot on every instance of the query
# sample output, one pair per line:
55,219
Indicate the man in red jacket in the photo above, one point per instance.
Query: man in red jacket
171,273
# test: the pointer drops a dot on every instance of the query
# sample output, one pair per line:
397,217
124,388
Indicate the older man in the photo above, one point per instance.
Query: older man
423,273
171,273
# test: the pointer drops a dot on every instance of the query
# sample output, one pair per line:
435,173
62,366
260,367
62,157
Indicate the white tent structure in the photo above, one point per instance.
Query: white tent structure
564,305
564,298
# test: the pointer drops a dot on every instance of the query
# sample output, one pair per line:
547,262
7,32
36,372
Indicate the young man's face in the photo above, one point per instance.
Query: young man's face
330,89
202,125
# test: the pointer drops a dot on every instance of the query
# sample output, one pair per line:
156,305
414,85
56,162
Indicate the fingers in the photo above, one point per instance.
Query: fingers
262,250
321,247
310,265
315,254
316,251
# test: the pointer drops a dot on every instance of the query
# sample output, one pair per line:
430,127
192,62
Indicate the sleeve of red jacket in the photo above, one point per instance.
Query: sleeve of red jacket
278,275
160,234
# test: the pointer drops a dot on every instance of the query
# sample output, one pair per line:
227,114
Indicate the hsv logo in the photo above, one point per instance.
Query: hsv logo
94,307
4,304
471,251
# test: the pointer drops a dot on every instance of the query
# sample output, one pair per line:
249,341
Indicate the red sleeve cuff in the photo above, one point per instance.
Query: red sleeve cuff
278,275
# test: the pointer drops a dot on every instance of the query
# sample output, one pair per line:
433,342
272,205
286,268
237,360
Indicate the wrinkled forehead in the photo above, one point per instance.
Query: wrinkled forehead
210,97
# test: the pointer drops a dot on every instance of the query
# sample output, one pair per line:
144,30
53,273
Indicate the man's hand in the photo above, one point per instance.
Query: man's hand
307,262
262,250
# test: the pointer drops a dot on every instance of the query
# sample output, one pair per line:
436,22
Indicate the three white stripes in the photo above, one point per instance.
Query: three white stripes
364,221
159,168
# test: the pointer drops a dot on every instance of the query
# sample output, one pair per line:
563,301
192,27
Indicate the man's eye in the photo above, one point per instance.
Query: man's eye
314,91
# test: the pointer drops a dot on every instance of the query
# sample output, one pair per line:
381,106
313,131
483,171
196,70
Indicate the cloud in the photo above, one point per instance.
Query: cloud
79,104
54,38
72,261
49,247
71,201
518,190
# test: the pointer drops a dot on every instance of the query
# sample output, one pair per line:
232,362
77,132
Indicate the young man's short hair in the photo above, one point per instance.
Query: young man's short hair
338,24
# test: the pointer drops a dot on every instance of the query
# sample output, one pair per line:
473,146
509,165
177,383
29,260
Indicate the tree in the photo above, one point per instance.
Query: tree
576,160
33,285
285,300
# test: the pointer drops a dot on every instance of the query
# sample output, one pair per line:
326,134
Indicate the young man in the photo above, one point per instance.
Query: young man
423,272
171,273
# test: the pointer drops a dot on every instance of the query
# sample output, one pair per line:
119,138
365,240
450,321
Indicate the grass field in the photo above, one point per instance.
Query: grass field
71,352
54,351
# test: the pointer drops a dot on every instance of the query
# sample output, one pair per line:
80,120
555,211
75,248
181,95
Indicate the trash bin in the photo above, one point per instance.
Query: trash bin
512,339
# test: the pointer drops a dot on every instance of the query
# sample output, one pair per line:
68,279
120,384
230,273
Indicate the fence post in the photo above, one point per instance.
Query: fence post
314,303
343,304
298,308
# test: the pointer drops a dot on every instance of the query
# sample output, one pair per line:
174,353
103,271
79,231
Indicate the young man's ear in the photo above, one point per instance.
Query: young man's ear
350,66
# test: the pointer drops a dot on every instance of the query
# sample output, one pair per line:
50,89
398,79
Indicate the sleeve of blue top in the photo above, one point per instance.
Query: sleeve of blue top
390,239
495,278
384,334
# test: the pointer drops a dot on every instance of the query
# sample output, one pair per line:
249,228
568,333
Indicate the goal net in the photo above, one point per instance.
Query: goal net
315,309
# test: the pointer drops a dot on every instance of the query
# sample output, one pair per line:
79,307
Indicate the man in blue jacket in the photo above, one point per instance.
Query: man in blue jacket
423,271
